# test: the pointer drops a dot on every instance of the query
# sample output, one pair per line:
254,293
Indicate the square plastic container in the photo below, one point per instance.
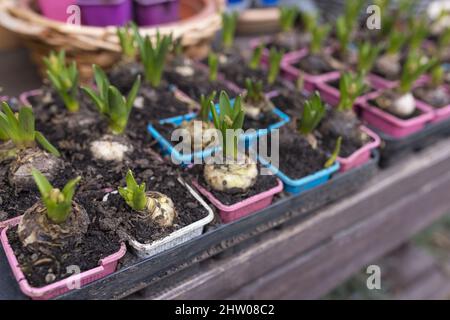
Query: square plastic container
390,124
306,183
154,12
178,237
243,208
56,10
440,114
106,266
102,13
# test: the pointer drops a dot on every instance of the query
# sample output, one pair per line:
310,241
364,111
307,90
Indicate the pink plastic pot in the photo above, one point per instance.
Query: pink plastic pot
154,12
440,114
56,10
292,73
243,208
10,222
106,266
380,83
256,42
363,154
24,97
390,124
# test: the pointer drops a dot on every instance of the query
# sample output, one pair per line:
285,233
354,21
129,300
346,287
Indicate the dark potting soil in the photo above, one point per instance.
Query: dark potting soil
297,158
95,245
416,112
263,183
236,70
124,74
117,215
348,146
290,102
435,97
288,41
266,119
314,64
198,84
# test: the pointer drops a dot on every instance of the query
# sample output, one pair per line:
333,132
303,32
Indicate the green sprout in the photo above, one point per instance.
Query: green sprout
20,129
437,75
213,62
110,102
275,58
230,118
352,11
288,16
134,194
351,86
367,54
418,34
229,21
335,153
58,203
313,112
63,78
256,57
416,65
309,21
395,42
343,33
444,39
153,56
205,104
127,40
318,36
254,92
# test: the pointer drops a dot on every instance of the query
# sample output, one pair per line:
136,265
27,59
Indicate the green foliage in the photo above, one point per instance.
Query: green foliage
230,118
63,78
153,56
254,92
419,33
275,58
20,129
256,57
416,65
335,153
127,40
367,54
318,36
58,203
134,194
351,86
205,105
444,40
229,21
313,112
437,75
395,42
343,33
110,102
288,16
309,21
213,62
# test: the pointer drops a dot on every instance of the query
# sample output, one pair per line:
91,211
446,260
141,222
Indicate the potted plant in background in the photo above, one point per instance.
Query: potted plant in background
234,187
54,234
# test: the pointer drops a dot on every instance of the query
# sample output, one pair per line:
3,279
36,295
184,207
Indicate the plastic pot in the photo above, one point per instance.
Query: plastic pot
106,266
363,154
154,12
390,124
440,114
256,42
176,238
102,13
297,186
168,149
229,213
56,10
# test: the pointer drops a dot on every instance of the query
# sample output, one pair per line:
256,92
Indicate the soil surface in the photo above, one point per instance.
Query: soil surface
266,119
288,41
42,269
435,97
314,64
290,102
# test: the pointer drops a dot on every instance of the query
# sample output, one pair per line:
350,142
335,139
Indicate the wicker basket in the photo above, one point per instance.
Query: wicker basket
87,45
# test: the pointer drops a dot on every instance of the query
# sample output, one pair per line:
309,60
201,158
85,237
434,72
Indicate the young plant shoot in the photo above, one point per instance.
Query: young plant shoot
313,112
318,37
229,21
202,131
21,145
367,54
275,58
127,40
288,38
255,60
55,219
153,56
288,16
64,79
116,109
255,102
151,206
389,64
213,64
238,173
345,25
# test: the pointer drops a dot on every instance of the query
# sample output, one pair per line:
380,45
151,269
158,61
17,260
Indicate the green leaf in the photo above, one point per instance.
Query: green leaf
46,144
42,183
69,189
288,15
26,123
229,22
134,194
99,103
133,93
335,154
213,63
313,112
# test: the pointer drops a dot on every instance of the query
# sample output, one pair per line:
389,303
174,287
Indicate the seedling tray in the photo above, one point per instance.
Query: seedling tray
139,273
394,149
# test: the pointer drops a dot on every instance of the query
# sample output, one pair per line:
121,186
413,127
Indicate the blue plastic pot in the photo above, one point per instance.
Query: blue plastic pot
168,149
305,183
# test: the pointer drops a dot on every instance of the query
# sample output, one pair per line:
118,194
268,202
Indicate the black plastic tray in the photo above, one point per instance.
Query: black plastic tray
394,149
137,274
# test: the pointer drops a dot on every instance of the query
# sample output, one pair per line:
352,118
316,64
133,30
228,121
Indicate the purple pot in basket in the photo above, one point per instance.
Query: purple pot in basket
56,10
243,208
154,12
390,124
102,13
106,266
